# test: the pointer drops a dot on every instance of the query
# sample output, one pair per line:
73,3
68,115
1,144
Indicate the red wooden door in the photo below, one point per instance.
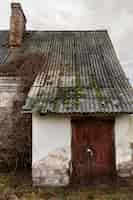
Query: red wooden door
92,150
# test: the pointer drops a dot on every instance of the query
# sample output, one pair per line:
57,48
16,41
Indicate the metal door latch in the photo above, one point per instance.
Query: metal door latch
89,151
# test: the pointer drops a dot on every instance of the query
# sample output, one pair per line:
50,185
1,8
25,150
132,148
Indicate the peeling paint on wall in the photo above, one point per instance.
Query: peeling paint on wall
123,140
8,90
51,150
6,99
53,169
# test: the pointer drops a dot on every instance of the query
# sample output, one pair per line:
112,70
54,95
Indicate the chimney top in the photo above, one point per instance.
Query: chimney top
18,6
15,4
17,25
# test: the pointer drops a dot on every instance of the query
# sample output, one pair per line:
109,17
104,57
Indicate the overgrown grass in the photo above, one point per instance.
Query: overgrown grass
19,187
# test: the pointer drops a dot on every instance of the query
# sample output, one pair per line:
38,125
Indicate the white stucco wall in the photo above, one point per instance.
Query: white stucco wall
51,149
49,133
123,139
8,90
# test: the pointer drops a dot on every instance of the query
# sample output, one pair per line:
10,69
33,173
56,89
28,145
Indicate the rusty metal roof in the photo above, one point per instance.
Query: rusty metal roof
81,74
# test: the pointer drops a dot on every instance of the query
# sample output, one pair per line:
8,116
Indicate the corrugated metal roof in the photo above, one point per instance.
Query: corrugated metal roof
81,73
4,51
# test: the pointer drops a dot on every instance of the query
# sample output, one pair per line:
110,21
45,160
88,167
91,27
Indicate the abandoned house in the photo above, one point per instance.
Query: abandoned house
70,91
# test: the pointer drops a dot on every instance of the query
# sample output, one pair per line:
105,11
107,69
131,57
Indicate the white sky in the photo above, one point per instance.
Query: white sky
114,15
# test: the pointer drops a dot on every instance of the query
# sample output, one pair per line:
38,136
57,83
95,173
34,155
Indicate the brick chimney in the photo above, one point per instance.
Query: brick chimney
17,25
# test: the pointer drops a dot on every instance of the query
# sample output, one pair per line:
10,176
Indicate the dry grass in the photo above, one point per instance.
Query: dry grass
19,187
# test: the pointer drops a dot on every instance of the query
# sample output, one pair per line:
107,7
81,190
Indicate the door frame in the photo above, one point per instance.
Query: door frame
114,173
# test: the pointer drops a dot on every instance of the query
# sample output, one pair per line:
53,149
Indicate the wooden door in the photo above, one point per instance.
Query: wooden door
92,151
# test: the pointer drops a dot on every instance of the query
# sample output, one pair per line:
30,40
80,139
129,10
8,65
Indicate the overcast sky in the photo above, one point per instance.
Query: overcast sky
114,15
